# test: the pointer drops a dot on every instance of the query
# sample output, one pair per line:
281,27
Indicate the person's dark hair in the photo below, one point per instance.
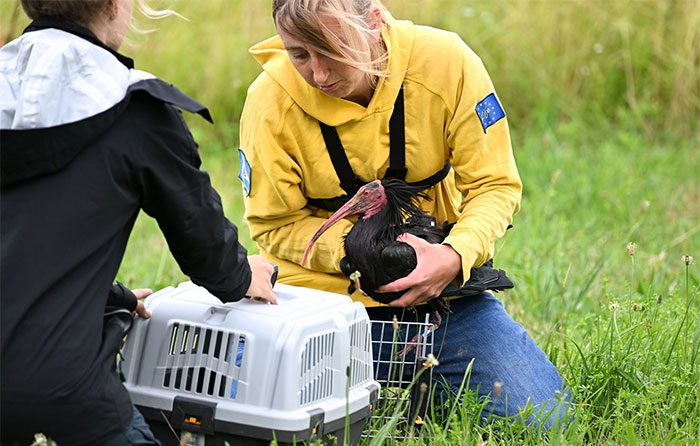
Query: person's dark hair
82,12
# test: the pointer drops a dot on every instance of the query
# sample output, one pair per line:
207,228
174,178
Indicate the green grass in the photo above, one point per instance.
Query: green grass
637,60
604,103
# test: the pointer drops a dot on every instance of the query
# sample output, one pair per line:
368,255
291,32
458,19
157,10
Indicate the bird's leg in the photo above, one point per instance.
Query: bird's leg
410,345
436,320
439,304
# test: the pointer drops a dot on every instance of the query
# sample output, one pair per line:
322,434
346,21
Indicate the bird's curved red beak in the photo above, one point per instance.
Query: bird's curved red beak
368,200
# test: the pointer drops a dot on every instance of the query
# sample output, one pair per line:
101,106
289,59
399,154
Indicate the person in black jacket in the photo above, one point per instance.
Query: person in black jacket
86,143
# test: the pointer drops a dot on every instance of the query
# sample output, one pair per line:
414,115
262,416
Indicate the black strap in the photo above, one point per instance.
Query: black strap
397,149
348,179
397,141
333,204
329,204
433,179
349,182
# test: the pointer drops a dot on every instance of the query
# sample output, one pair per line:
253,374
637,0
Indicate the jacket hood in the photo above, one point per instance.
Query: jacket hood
60,89
52,77
273,58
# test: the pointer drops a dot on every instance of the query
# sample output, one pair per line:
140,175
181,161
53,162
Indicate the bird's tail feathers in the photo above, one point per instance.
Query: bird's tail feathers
484,278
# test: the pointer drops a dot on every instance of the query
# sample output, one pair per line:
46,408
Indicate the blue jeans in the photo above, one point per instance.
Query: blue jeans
509,368
136,433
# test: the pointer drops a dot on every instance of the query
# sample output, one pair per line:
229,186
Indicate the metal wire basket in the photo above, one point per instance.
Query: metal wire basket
401,350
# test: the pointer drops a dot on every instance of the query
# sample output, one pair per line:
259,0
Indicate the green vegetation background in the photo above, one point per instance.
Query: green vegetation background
603,99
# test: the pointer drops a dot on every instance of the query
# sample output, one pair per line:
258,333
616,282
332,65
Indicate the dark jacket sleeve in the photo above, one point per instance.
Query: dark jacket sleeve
121,297
188,210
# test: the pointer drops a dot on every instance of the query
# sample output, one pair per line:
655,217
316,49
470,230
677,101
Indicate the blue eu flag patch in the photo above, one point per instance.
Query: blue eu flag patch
244,172
489,111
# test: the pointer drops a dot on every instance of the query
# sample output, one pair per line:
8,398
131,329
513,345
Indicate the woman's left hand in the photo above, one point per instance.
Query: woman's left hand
436,266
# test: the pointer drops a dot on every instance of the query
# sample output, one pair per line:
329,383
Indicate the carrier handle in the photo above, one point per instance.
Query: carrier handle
275,271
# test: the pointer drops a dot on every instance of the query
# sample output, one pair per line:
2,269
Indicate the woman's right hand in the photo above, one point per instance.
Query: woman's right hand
141,294
261,280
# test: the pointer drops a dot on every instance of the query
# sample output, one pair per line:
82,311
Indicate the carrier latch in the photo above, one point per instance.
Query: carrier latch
193,415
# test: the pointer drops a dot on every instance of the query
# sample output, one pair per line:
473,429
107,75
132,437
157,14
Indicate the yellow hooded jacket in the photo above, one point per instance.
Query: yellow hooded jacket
443,81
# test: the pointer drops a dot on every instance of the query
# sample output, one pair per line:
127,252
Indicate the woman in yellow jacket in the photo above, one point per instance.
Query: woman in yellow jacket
331,81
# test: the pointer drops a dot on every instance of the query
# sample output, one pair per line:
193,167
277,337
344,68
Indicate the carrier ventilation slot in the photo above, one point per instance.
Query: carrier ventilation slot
317,368
360,353
203,361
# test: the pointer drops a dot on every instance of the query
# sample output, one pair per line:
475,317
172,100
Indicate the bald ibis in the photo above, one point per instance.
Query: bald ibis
388,208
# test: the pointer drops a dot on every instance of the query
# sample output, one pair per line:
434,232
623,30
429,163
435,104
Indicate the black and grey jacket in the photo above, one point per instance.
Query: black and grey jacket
86,142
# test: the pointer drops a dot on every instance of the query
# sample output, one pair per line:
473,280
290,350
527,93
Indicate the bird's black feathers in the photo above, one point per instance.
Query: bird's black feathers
372,249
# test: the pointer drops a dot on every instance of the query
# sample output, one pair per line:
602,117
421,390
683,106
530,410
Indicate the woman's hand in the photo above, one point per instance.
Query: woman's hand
261,280
140,294
436,266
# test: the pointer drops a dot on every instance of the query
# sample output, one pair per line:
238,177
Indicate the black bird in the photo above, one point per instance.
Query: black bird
387,209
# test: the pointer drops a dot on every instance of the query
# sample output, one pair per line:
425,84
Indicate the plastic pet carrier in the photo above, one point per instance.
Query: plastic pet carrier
246,373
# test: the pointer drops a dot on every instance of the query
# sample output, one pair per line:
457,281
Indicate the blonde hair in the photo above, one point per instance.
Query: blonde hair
354,43
145,8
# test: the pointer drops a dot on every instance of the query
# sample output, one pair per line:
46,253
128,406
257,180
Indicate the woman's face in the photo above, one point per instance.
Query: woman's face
332,77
